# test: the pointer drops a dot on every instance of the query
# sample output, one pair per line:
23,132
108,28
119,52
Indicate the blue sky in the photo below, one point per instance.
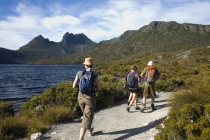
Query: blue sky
22,20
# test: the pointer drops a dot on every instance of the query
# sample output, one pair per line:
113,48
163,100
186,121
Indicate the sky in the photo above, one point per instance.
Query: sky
23,20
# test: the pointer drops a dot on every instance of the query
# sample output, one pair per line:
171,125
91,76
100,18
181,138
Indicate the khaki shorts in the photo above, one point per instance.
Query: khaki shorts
149,89
87,105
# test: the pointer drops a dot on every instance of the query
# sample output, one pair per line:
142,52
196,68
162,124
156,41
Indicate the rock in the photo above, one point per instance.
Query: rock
37,136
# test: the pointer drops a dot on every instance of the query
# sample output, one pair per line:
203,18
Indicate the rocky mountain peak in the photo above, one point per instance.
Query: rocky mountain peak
70,38
159,26
41,39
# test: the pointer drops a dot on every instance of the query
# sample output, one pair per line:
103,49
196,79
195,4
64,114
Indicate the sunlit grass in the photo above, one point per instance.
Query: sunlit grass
13,127
58,114
199,92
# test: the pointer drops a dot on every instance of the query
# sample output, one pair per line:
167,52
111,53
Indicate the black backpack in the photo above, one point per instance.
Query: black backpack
131,80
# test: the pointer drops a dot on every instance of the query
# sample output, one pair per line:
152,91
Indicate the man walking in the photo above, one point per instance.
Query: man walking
151,75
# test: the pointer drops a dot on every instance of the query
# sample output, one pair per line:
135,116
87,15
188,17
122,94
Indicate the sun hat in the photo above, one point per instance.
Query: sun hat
133,67
150,63
88,61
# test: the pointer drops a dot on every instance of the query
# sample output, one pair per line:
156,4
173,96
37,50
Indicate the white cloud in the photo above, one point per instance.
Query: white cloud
99,22
57,21
193,12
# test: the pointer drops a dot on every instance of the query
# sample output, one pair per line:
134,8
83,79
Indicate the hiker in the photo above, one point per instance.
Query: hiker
86,99
132,80
151,75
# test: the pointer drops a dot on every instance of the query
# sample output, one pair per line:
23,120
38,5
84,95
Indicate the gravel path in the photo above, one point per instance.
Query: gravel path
115,123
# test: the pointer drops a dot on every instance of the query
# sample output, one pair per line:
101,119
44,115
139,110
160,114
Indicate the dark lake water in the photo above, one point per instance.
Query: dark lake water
18,83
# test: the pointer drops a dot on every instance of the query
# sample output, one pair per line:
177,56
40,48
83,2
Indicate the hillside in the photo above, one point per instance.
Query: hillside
43,48
154,38
9,56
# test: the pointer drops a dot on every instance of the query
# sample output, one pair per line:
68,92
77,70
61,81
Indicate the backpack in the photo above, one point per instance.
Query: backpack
86,82
131,80
150,78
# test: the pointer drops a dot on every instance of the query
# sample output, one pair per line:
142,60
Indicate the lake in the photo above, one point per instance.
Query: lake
18,83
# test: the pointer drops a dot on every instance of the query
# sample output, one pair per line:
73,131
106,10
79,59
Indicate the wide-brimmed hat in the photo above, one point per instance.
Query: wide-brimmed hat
133,67
150,63
88,61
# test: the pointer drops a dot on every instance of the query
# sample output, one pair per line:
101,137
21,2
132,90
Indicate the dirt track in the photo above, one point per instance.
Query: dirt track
115,123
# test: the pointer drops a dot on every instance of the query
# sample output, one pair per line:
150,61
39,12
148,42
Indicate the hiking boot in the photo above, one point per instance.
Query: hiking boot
152,107
137,108
128,109
143,108
91,131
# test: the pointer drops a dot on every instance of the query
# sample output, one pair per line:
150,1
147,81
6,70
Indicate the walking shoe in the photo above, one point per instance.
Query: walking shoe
128,103
137,108
91,131
152,107
128,109
143,108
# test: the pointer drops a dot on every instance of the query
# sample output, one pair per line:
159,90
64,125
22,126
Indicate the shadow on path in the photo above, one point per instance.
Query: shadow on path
133,131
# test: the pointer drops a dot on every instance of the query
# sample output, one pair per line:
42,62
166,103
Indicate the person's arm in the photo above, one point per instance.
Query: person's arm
139,78
98,85
143,73
158,75
76,80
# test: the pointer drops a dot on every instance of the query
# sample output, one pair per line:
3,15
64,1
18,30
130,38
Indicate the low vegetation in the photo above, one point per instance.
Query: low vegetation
55,105
188,118
184,72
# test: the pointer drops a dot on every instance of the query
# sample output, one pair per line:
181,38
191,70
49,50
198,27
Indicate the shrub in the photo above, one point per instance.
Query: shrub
188,122
6,109
61,95
189,117
112,91
163,85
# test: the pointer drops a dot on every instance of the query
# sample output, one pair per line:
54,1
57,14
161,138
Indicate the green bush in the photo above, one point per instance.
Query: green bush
6,109
111,92
61,95
189,114
164,85
188,122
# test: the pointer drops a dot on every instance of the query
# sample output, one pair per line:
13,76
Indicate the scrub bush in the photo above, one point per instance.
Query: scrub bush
189,122
6,109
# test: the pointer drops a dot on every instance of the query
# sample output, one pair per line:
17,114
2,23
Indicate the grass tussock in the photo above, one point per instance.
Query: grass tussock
13,127
24,125
199,93
58,114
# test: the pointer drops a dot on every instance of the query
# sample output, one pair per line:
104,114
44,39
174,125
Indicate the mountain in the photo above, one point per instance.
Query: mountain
9,57
42,48
157,36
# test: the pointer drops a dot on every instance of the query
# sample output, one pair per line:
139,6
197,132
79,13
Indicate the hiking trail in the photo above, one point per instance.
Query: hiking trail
115,123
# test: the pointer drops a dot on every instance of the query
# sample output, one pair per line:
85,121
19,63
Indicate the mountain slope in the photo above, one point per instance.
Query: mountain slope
156,37
41,48
9,57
